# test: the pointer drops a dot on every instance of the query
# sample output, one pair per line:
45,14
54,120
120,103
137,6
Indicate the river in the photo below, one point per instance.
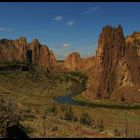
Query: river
77,89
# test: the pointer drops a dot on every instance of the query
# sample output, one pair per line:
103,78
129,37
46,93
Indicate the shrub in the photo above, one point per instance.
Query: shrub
85,119
55,128
52,109
69,115
64,107
116,132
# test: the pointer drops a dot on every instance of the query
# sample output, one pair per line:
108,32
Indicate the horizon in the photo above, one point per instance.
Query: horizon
66,27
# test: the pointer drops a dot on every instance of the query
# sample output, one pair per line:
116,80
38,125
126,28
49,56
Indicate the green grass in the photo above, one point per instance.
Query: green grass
105,103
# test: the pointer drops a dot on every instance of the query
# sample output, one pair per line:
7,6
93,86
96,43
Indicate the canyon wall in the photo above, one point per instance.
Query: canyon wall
17,50
117,65
74,62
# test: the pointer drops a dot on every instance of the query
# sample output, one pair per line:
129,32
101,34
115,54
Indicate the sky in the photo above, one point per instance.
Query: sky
66,26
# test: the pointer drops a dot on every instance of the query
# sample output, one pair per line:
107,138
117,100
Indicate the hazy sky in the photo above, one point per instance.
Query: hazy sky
66,27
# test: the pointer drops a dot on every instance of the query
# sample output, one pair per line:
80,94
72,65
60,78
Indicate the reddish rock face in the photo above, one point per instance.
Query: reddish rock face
75,63
16,50
46,58
71,62
111,46
86,64
114,63
35,47
52,58
13,50
134,40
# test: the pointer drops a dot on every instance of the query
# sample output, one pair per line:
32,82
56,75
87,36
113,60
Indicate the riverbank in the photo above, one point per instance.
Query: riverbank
104,103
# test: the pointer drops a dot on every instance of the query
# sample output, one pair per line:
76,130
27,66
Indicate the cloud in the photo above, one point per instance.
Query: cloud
58,18
89,54
66,45
3,29
61,53
71,23
62,46
88,51
92,9
62,50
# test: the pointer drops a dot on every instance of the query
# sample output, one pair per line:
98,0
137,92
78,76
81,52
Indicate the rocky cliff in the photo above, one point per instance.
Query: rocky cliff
17,50
74,62
13,50
46,58
115,69
134,39
71,62
116,64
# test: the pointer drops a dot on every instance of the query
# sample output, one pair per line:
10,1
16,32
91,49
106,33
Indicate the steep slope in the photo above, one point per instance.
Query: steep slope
135,40
46,58
117,64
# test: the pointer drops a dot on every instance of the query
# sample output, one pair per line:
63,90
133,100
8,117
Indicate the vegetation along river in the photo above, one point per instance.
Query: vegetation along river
77,89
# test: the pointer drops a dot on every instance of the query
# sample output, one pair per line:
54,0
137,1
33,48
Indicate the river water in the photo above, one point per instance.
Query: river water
68,99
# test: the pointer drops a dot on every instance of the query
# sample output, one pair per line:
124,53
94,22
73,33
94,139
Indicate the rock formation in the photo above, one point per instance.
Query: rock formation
46,58
17,50
134,39
116,64
115,67
75,63
13,50
71,62
34,46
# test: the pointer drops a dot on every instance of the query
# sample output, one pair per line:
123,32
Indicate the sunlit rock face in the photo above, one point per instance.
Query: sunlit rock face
16,50
71,62
74,62
116,64
46,58
134,40
13,50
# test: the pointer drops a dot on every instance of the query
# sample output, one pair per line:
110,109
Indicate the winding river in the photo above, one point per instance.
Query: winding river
68,99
